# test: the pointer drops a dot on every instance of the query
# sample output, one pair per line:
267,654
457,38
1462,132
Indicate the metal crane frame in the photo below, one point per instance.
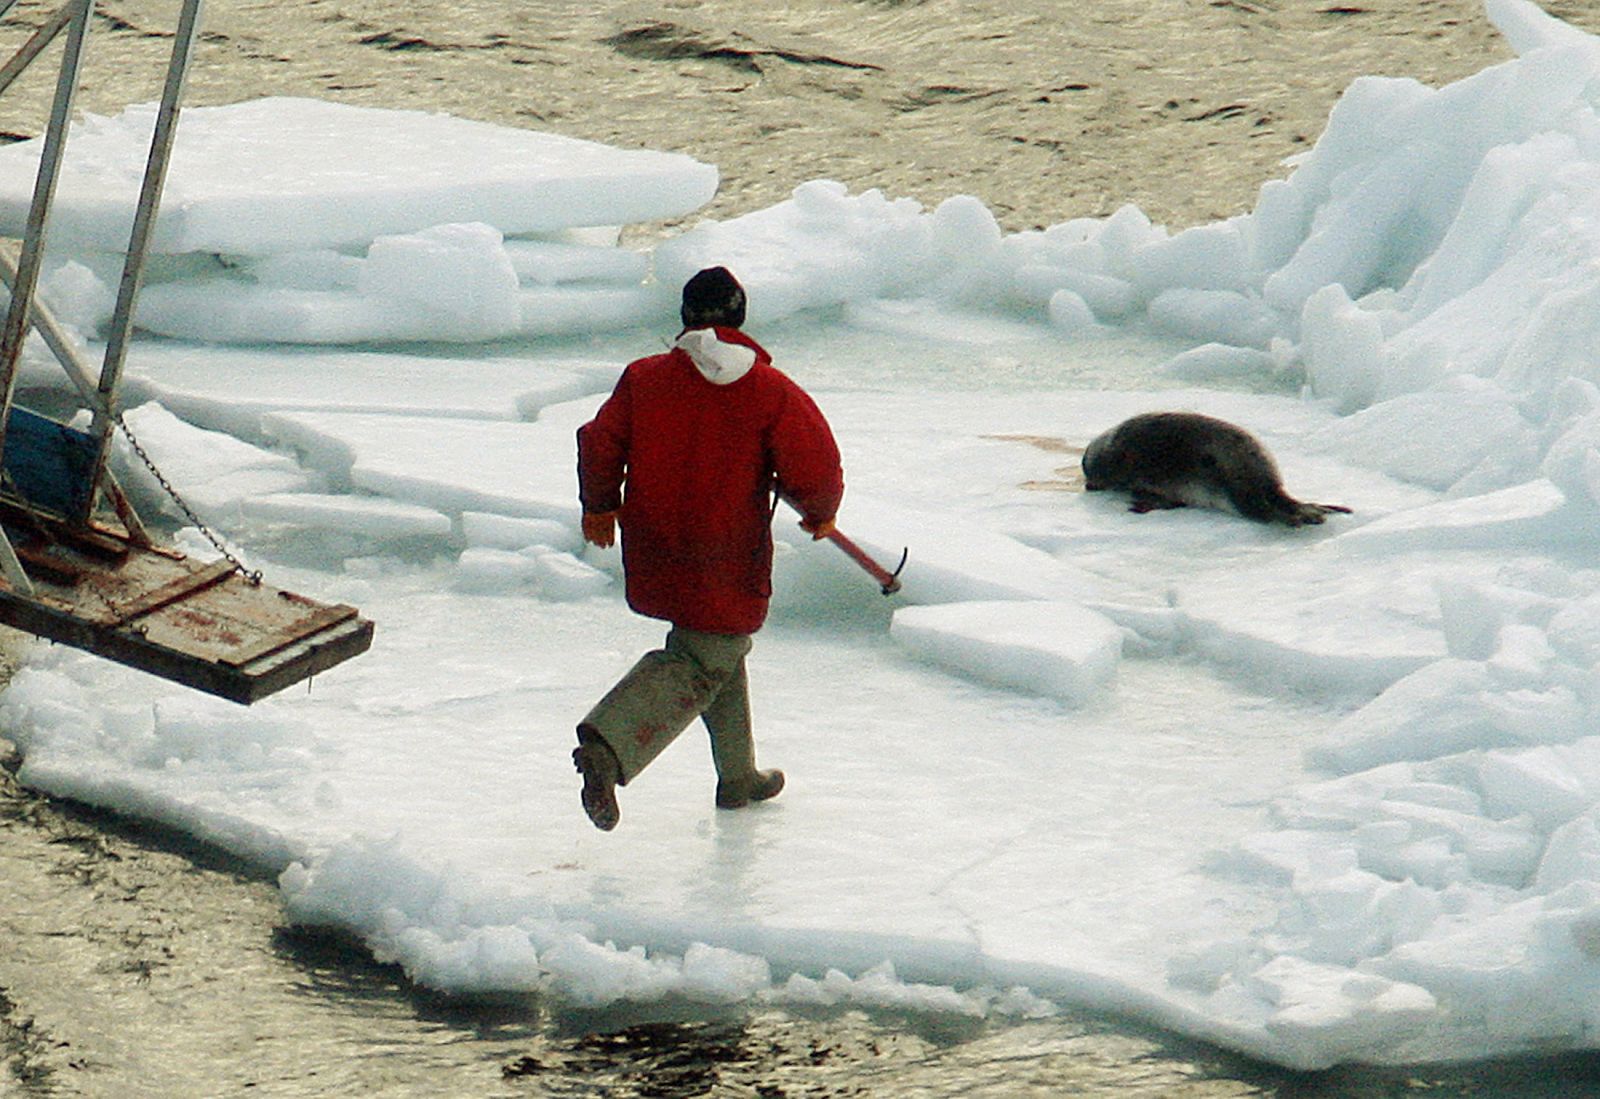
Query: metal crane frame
77,566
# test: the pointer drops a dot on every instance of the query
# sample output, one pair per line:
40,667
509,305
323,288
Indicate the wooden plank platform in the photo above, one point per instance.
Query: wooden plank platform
200,624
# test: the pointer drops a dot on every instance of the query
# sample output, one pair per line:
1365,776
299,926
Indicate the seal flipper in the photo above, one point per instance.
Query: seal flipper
1145,500
1312,514
1265,502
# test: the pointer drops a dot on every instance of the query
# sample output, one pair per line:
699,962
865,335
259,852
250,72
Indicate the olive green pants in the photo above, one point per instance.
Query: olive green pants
695,675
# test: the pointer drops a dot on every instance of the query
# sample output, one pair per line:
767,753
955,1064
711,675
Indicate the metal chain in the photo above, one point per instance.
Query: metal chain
253,576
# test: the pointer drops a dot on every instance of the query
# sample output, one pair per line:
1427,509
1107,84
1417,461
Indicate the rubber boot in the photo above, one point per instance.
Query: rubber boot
597,763
644,713
767,784
733,748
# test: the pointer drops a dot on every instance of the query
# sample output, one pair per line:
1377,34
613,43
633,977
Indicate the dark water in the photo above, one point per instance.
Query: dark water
134,962
1045,109
137,962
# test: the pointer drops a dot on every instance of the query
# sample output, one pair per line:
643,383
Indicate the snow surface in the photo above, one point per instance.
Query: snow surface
280,175
1322,795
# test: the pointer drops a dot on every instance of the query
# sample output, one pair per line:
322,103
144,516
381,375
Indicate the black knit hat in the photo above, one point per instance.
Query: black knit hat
712,296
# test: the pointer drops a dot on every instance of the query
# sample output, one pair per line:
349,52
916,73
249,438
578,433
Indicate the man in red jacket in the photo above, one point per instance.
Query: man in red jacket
687,454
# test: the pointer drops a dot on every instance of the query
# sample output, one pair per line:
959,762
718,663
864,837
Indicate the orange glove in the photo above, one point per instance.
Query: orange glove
818,531
600,528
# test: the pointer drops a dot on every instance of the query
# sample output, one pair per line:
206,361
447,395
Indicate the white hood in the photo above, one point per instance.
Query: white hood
720,362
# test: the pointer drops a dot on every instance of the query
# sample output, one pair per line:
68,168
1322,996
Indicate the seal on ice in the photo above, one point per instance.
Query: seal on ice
1184,459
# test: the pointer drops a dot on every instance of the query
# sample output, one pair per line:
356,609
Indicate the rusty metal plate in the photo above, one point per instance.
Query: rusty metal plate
201,624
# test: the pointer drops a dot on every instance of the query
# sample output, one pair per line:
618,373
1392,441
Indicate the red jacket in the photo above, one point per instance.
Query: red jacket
700,461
